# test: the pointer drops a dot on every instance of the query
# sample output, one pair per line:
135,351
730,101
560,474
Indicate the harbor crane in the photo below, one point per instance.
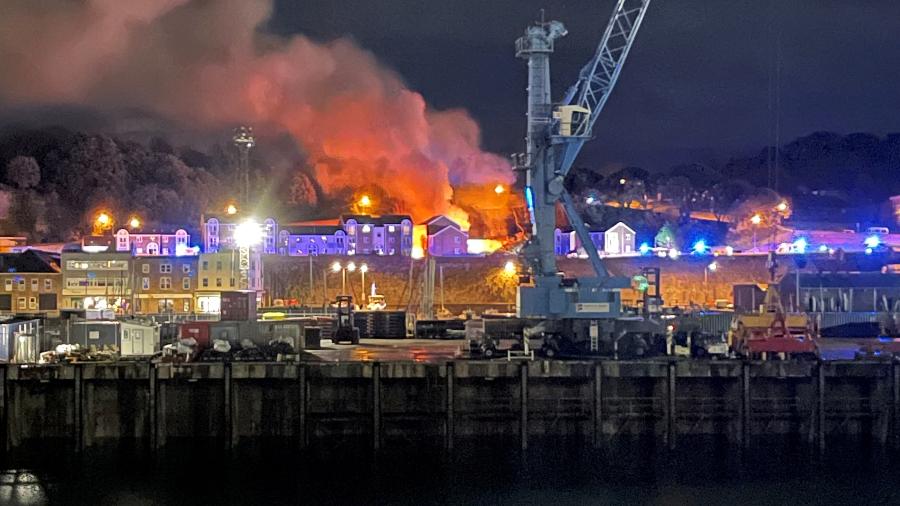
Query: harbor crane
584,315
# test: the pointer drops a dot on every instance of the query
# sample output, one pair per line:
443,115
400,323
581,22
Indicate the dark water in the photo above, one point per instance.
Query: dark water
699,472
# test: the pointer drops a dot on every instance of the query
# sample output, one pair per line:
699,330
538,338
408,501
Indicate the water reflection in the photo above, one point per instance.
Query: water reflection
21,487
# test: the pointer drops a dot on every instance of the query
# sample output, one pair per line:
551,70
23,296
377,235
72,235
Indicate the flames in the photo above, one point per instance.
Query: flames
357,123
483,246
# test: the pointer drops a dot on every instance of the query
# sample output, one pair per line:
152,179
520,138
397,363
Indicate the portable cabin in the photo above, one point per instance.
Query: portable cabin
132,338
19,340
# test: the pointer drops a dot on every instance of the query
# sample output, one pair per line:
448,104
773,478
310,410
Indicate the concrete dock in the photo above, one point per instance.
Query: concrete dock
379,404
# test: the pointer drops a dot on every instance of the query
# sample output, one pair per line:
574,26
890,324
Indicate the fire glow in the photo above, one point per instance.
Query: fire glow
355,121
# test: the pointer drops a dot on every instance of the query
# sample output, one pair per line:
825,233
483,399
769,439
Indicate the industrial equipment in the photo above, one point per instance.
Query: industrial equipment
772,331
345,328
576,316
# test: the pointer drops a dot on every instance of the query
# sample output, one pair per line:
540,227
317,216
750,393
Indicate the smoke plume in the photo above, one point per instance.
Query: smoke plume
207,64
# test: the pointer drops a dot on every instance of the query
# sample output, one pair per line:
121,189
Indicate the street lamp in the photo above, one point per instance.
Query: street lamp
231,209
246,235
756,219
103,221
134,223
363,269
712,267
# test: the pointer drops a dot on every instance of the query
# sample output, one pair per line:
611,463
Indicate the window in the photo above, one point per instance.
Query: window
165,283
456,239
219,282
35,285
165,251
48,285
232,282
186,268
366,229
218,265
165,268
153,249
145,268
32,302
22,305
186,283
391,228
145,283
21,284
205,265
205,282
456,251
7,284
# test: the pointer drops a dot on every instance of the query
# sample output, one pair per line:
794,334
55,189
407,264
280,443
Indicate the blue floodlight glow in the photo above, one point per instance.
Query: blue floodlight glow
700,247
800,245
868,251
644,248
872,241
529,197
823,248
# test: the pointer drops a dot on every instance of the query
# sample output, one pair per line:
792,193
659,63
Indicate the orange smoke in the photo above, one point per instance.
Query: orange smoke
356,121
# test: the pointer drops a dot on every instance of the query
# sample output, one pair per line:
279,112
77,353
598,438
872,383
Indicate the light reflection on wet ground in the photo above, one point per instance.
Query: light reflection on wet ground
386,350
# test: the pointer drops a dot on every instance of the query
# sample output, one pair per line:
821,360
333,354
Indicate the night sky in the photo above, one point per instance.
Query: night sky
698,83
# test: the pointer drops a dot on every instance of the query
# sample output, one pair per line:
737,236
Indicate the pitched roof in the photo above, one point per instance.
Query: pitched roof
28,261
387,219
622,223
312,229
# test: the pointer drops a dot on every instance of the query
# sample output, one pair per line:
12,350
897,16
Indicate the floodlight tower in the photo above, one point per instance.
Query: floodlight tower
244,141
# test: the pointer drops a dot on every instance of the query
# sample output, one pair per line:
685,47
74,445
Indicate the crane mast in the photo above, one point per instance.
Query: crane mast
554,137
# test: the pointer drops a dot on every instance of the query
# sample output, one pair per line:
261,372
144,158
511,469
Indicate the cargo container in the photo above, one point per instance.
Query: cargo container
19,338
132,338
199,331
233,331
238,306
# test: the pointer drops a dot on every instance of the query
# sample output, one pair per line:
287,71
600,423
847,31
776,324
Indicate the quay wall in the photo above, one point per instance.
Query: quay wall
393,404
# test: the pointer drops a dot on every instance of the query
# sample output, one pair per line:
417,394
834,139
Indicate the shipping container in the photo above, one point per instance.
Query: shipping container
238,306
199,331
233,331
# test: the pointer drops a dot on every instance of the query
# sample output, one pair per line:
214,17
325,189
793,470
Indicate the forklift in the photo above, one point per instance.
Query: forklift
345,328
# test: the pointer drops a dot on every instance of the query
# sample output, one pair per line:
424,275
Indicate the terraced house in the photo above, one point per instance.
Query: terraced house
30,283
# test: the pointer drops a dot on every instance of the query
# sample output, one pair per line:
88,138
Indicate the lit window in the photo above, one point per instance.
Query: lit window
366,229
32,302
35,285
7,284
48,285
165,283
22,303
391,228
21,285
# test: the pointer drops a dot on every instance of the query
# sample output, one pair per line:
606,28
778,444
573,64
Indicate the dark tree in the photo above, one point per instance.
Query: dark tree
23,172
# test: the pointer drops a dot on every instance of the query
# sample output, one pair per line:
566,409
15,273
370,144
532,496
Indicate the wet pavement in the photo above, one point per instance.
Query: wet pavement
387,350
